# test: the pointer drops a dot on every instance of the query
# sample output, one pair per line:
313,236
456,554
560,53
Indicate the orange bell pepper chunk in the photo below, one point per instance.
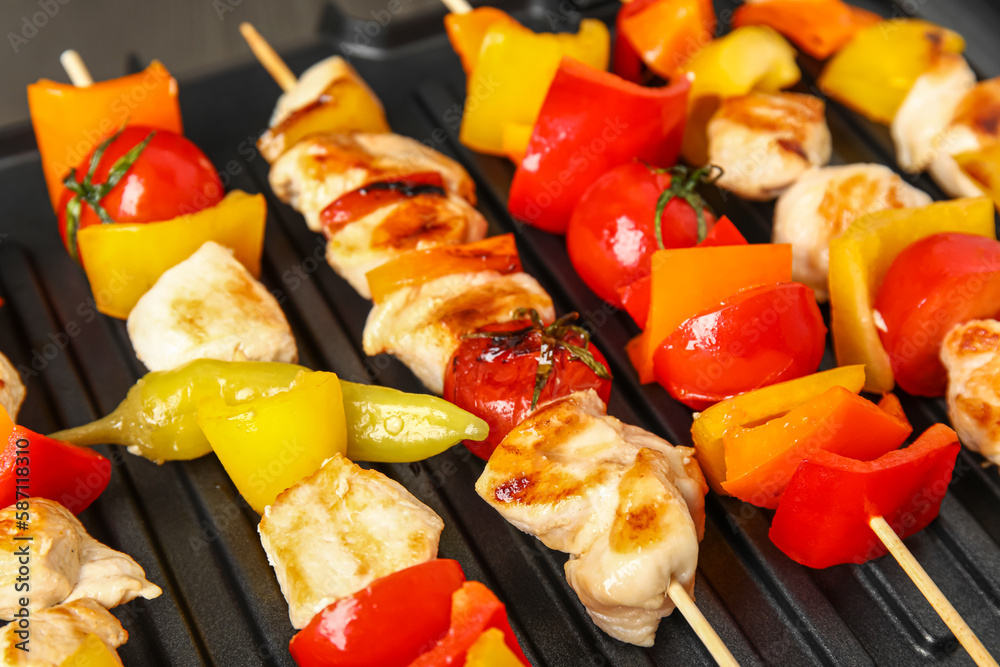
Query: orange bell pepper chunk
466,32
760,460
93,652
497,253
69,121
6,425
666,33
890,403
818,27
686,281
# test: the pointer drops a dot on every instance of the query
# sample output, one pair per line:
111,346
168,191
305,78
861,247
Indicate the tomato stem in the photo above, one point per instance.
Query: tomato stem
682,186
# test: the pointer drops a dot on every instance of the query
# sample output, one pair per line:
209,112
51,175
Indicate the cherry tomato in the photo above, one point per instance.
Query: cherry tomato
934,284
759,336
168,178
612,232
415,603
494,378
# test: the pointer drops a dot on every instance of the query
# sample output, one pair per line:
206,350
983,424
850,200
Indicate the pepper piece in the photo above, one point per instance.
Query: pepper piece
491,650
663,34
753,58
818,27
705,286
760,460
873,73
70,121
415,603
158,418
497,253
265,444
93,652
758,407
591,121
859,260
823,517
635,296
125,260
474,609
513,71
467,31
34,465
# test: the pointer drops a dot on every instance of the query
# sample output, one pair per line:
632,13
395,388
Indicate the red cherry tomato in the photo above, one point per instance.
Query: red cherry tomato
934,284
170,177
494,379
612,233
758,336
415,603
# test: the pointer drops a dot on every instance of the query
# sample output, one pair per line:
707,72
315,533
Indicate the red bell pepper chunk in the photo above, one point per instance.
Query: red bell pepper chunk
890,403
635,296
823,517
590,122
474,609
32,465
387,624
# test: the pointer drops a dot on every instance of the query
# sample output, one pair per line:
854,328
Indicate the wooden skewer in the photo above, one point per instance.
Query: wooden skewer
706,633
268,57
79,75
457,6
944,608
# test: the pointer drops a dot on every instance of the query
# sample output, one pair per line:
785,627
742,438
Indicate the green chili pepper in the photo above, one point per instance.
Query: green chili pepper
159,417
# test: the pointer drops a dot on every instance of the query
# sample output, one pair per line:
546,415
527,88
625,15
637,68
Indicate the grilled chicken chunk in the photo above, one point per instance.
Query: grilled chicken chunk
927,111
340,529
627,505
11,388
975,125
321,168
66,563
423,325
823,203
414,223
971,353
209,307
764,143
58,632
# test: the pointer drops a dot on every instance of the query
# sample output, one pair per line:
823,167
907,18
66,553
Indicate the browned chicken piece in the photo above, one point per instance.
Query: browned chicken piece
414,223
824,203
919,126
423,325
56,633
971,353
340,529
975,125
626,505
66,563
11,388
764,142
321,168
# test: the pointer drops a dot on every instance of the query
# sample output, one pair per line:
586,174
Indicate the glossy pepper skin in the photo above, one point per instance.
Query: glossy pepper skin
818,27
93,652
70,121
38,466
859,261
822,519
663,34
159,417
592,121
415,603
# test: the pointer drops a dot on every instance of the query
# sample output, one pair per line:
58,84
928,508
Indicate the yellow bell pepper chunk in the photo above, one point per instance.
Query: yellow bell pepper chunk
92,653
513,72
876,70
269,444
752,58
123,261
983,167
859,260
757,407
491,650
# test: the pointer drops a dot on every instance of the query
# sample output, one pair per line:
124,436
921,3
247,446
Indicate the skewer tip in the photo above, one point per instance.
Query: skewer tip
77,70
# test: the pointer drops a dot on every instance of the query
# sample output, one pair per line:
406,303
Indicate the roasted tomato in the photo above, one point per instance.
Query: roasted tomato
759,336
613,231
502,371
934,284
137,175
